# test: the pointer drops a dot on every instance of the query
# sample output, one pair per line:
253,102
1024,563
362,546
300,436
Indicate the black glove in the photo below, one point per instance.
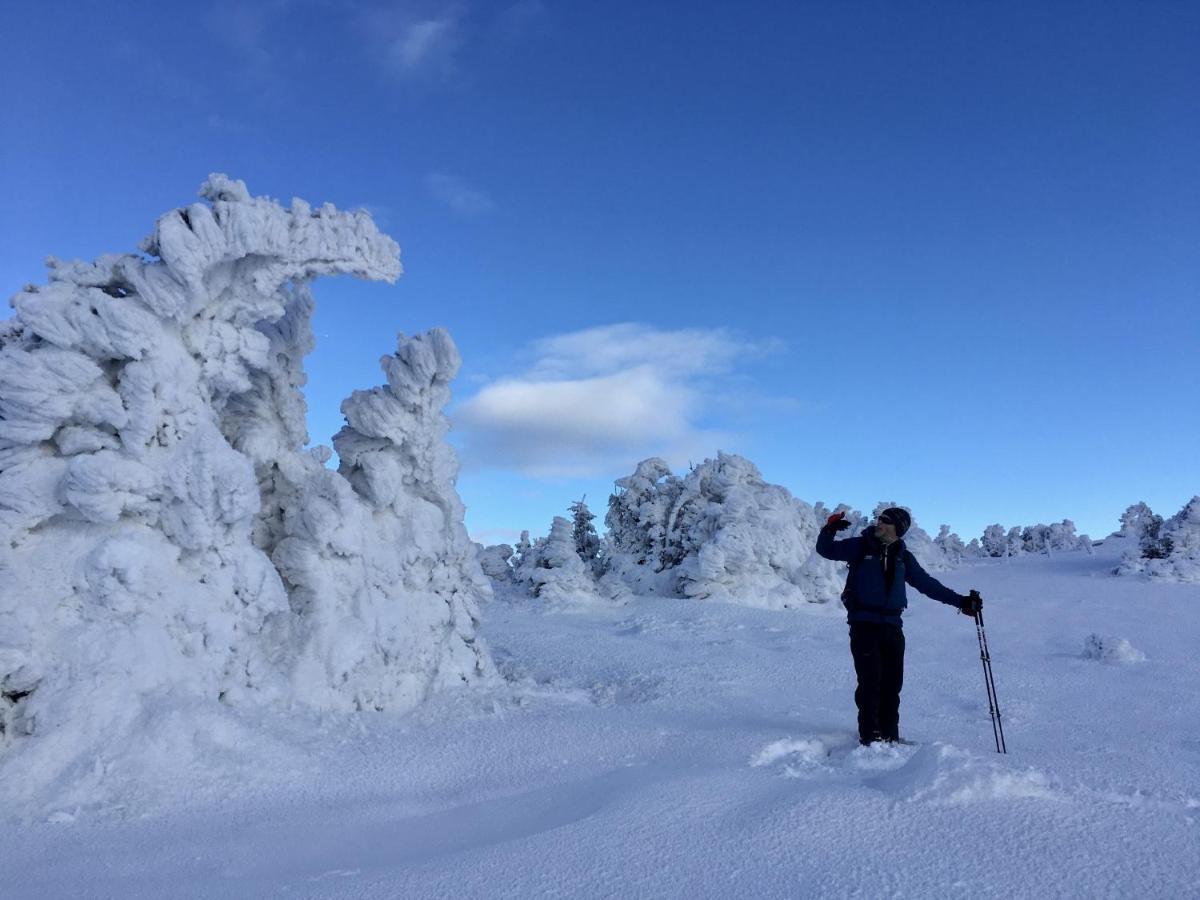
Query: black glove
837,522
972,605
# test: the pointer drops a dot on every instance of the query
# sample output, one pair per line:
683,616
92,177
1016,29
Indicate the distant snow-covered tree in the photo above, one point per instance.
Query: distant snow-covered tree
721,532
494,560
638,513
1170,550
1015,541
995,541
951,546
553,568
587,542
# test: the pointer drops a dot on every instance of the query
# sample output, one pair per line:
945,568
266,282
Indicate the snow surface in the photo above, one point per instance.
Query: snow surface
676,748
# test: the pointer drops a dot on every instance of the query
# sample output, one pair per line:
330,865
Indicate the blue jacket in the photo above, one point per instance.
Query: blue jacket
870,596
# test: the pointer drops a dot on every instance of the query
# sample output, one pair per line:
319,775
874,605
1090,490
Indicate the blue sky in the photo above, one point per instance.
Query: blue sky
938,253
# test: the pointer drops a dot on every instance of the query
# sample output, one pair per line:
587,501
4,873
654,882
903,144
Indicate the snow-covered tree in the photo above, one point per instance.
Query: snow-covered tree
587,542
995,541
494,560
974,550
638,514
1015,541
1137,519
162,525
1170,550
720,532
950,545
554,570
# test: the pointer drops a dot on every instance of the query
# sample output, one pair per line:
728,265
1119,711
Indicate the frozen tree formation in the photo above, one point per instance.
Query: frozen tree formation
163,531
1167,549
553,569
587,542
721,532
494,560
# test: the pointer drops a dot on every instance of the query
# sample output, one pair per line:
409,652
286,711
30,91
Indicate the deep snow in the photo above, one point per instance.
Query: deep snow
670,748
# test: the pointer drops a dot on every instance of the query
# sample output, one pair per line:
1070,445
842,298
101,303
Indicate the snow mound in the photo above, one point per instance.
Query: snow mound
944,775
1111,650
937,774
164,533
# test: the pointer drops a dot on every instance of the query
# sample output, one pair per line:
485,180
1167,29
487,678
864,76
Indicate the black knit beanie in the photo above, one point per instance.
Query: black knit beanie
898,517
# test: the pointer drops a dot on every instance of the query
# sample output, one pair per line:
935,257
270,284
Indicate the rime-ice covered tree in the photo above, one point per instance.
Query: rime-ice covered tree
162,525
639,512
950,545
995,540
1015,541
1170,550
587,541
720,532
554,570
494,560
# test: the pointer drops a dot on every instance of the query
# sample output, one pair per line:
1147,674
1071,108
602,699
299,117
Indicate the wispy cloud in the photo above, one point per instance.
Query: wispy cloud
416,41
596,401
453,192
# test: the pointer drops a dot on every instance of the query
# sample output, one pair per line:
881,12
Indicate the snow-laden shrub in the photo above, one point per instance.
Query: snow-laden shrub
1112,650
163,531
554,571
1169,549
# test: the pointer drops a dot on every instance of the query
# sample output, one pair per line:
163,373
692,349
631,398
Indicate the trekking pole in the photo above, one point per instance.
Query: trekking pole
989,681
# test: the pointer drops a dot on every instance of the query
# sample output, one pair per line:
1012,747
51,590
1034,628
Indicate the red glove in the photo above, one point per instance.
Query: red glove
837,522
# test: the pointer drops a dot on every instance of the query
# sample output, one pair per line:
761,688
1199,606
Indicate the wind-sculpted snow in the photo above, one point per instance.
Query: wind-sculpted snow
163,531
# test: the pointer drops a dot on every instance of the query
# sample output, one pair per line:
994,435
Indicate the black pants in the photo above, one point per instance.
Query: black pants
878,651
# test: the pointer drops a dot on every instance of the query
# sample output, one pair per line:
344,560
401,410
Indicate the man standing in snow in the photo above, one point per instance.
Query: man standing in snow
874,597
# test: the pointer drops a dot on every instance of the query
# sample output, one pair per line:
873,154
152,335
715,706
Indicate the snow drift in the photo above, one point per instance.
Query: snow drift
164,532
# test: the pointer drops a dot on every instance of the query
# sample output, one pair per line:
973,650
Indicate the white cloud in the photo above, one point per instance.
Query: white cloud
596,401
415,41
451,191
423,43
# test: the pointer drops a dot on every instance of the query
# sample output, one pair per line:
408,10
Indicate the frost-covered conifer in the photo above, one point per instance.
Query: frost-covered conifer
950,545
640,512
995,541
553,569
1015,541
1170,551
164,533
587,542
720,532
